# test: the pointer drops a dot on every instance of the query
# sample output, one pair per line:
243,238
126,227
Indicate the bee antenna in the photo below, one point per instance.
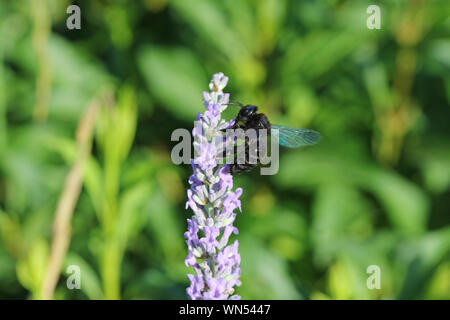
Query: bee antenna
235,103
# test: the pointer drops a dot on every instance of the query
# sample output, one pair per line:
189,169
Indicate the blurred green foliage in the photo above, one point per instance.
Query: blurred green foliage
375,191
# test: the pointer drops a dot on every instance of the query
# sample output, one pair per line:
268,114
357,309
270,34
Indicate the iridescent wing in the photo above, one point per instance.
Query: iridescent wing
294,138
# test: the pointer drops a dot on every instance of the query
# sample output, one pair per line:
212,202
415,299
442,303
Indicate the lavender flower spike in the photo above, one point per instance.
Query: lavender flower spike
213,202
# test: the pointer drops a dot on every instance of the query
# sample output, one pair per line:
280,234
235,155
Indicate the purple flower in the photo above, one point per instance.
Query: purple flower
196,288
216,289
213,203
209,240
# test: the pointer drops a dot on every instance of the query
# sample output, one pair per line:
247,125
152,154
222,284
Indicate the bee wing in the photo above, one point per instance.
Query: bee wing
294,138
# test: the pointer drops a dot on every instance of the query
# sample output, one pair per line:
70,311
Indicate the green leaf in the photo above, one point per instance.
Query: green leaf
207,19
131,214
166,229
418,260
316,53
405,203
341,215
31,269
266,272
176,78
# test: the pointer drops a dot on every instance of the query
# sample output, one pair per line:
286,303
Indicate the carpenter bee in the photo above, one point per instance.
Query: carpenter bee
249,118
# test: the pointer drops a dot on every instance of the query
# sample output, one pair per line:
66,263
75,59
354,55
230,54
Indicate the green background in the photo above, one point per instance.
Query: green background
375,191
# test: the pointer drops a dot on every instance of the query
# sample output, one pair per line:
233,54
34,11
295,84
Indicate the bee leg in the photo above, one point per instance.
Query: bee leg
235,126
240,168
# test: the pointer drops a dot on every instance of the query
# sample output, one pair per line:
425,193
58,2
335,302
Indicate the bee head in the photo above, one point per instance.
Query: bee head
246,112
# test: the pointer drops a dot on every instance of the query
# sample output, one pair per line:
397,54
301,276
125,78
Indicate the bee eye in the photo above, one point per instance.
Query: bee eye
248,110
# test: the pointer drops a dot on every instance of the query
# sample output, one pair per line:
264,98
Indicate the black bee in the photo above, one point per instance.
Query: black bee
249,118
